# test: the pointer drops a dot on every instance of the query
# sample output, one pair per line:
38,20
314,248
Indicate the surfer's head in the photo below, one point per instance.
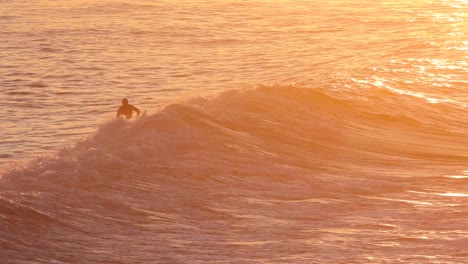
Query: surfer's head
125,101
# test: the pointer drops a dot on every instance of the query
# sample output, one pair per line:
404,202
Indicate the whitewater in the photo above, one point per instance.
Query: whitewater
272,132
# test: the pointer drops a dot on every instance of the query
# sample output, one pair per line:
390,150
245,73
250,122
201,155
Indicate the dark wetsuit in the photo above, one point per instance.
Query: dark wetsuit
127,111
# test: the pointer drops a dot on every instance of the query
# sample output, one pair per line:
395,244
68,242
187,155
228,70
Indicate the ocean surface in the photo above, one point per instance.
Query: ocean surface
279,131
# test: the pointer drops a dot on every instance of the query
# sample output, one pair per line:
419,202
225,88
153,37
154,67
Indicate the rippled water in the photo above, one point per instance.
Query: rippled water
66,65
274,132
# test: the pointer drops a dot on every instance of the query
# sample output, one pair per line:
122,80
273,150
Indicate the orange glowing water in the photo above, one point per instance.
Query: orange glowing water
275,131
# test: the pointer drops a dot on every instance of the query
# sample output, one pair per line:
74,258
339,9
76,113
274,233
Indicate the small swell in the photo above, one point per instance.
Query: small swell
37,84
21,93
11,208
49,50
8,17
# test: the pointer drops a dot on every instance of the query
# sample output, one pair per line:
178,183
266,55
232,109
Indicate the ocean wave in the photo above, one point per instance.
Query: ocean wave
254,128
244,169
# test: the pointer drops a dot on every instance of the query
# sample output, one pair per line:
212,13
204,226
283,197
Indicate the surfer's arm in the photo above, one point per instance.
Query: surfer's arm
136,110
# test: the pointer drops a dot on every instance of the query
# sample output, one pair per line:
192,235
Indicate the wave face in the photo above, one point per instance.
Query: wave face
277,174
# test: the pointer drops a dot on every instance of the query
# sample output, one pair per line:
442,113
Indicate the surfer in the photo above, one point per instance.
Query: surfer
127,109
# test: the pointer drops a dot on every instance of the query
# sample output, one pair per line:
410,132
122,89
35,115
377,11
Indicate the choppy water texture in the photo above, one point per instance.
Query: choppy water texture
274,132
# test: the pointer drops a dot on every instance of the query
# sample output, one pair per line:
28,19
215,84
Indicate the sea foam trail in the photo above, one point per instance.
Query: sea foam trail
247,168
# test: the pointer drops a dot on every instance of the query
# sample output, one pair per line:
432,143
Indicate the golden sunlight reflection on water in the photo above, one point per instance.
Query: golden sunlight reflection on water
453,194
336,132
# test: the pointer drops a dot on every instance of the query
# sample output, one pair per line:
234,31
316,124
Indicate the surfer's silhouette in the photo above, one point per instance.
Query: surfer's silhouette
127,109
